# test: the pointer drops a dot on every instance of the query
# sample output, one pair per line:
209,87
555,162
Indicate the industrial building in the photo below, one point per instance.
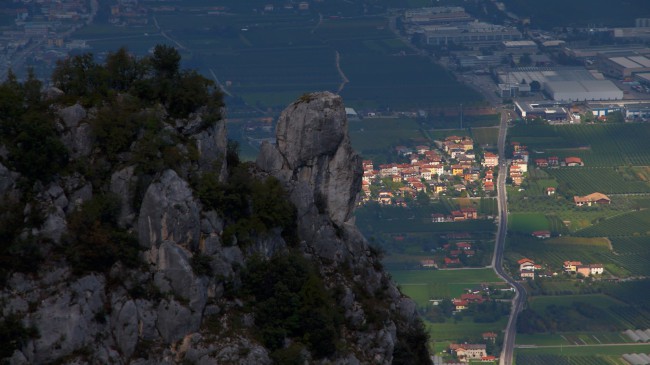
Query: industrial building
583,90
631,109
624,66
542,109
638,111
472,33
479,61
565,83
606,51
519,47
436,15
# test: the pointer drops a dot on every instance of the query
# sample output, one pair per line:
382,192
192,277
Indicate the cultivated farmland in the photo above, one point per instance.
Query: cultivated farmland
606,180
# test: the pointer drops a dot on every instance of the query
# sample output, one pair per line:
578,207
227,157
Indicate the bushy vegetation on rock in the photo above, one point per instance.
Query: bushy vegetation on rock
94,241
290,301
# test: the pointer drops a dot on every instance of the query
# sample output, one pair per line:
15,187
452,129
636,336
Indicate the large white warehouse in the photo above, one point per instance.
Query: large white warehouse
583,90
565,83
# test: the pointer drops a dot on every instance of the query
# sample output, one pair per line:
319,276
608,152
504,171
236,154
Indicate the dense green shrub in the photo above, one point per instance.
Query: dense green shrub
290,301
16,254
411,346
94,240
153,79
251,206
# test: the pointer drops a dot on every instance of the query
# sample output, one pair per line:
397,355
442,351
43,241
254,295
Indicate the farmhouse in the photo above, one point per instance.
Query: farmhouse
571,266
526,264
438,218
466,352
593,198
573,161
428,263
489,336
550,191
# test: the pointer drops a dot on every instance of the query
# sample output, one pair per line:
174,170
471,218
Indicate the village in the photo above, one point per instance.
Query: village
453,168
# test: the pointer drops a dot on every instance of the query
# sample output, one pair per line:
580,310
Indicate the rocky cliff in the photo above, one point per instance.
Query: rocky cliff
193,261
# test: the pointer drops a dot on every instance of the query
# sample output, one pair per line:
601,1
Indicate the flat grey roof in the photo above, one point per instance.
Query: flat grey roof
642,60
625,62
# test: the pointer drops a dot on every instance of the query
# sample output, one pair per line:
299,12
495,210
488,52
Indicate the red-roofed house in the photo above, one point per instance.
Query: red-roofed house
593,198
490,159
571,266
489,336
573,161
541,162
469,213
450,261
467,351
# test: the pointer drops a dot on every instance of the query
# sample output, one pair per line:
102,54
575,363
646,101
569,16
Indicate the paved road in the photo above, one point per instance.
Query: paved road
497,259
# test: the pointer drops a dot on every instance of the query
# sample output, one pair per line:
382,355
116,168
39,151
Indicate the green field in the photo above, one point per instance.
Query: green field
568,338
527,222
375,138
636,223
599,145
585,180
554,254
462,329
422,285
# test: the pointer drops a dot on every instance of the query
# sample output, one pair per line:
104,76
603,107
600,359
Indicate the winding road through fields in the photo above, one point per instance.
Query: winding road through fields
497,259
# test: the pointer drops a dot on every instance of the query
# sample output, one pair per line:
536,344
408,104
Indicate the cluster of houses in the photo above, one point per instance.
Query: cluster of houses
452,254
462,214
430,170
577,267
528,269
519,163
554,161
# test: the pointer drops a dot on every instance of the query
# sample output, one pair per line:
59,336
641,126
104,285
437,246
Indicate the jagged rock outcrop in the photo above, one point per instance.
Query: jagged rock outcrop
180,304
314,160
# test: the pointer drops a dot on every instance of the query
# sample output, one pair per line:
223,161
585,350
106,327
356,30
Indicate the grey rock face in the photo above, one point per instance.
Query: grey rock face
211,144
66,319
72,115
174,320
124,326
122,183
313,145
55,225
169,212
7,180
